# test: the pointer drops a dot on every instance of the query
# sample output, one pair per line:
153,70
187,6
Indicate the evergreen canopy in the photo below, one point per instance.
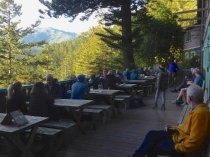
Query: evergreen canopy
119,12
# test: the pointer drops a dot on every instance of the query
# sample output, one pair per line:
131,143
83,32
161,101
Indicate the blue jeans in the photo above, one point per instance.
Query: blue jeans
157,143
163,96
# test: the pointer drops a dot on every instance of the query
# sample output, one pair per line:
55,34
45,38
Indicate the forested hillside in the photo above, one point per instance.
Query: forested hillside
156,33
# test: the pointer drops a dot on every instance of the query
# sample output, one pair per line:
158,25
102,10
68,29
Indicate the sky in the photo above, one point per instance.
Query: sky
30,14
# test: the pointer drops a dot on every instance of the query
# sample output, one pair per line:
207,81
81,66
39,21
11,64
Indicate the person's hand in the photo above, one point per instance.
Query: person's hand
170,127
189,82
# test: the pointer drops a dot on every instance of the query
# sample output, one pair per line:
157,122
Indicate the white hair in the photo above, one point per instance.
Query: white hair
196,93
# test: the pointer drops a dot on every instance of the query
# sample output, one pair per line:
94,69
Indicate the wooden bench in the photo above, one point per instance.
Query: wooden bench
51,137
185,111
127,99
107,110
120,104
59,124
93,116
63,124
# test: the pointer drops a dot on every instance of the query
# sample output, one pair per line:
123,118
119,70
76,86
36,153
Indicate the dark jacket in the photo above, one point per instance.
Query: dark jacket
17,102
111,81
41,104
162,80
54,90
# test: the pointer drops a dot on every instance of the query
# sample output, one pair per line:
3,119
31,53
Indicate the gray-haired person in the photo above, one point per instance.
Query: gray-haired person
180,140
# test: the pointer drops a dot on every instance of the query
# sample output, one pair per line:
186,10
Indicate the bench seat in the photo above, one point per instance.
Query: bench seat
59,124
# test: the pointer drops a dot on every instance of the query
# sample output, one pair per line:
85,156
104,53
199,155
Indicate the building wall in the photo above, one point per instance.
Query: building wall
206,62
192,39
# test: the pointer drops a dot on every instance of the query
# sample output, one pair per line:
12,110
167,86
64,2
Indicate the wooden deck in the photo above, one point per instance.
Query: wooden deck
122,135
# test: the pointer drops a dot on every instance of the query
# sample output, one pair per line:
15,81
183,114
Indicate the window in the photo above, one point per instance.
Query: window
187,36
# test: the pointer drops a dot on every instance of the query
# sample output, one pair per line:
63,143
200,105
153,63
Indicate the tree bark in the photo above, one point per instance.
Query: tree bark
127,34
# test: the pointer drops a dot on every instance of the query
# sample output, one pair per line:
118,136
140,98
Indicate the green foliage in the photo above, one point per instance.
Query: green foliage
179,6
193,61
14,54
94,55
157,35
119,12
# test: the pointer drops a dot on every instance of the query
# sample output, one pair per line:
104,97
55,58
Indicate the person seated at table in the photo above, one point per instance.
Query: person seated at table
184,139
52,87
111,80
146,72
79,89
93,81
198,80
16,99
40,102
103,80
134,75
119,76
126,74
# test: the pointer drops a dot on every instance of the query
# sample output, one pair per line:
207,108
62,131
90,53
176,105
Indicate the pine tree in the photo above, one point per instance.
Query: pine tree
119,12
13,52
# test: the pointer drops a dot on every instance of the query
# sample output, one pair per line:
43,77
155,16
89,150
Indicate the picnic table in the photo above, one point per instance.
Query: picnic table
138,82
72,103
128,88
106,94
12,133
74,108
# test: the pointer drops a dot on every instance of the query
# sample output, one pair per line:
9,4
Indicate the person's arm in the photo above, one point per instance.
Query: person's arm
158,80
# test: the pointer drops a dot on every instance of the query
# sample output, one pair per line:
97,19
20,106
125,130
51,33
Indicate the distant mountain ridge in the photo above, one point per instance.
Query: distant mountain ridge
50,35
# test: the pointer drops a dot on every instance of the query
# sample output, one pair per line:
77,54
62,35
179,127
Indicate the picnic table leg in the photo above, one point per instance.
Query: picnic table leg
77,119
24,148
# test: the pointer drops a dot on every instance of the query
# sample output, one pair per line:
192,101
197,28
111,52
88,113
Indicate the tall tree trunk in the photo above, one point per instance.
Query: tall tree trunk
127,35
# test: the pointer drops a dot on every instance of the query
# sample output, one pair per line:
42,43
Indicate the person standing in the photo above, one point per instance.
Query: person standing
162,85
173,68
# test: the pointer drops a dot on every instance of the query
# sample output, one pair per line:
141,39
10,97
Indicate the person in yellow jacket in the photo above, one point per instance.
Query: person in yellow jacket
186,138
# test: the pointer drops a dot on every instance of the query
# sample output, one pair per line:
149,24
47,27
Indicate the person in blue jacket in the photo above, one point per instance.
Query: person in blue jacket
79,89
173,68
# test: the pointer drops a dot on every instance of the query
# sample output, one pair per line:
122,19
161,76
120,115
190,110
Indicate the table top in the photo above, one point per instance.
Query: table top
105,92
136,81
126,85
72,103
148,78
32,120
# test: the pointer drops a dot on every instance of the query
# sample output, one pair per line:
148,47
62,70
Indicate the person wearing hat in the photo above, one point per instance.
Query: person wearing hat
79,89
162,85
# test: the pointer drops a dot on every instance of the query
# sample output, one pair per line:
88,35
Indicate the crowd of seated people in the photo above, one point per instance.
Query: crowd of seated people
42,95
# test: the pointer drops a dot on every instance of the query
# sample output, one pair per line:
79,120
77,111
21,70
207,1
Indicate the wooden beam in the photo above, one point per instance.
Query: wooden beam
191,19
189,11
